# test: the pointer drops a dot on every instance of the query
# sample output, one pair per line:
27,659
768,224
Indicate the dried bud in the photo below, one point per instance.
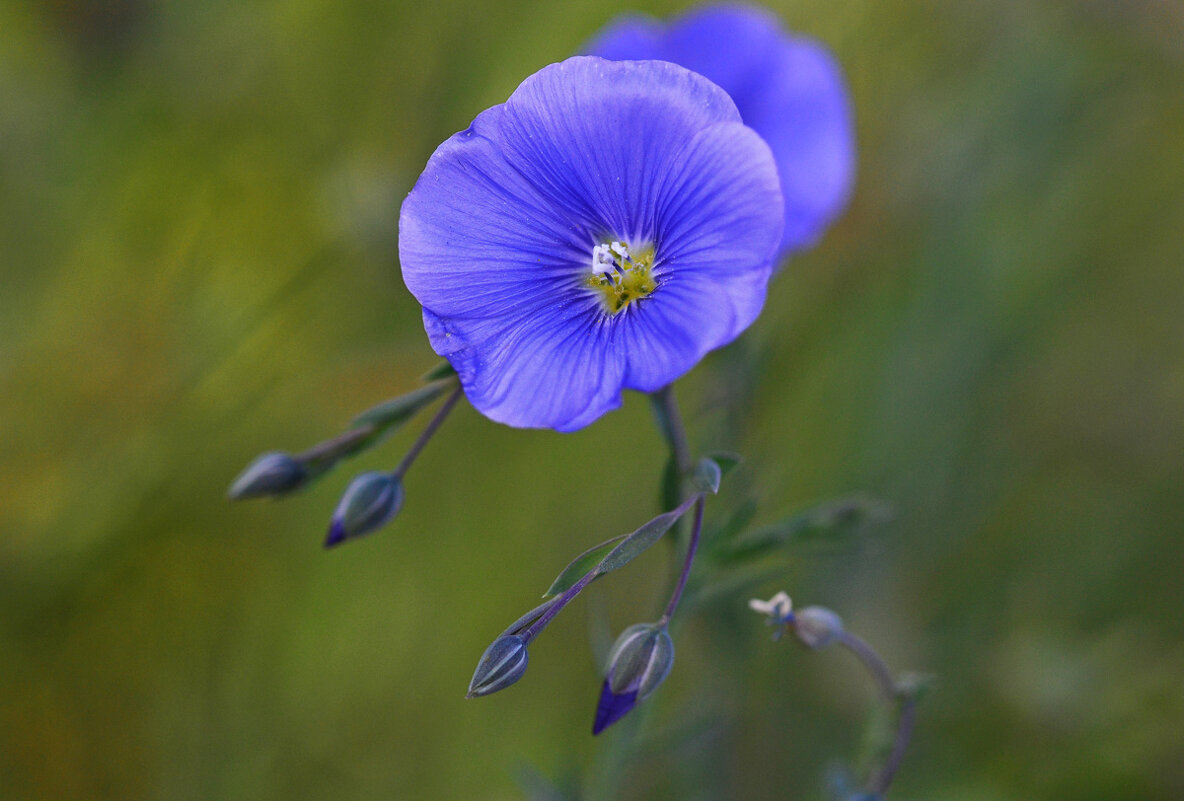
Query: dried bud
272,473
369,502
817,626
502,664
640,660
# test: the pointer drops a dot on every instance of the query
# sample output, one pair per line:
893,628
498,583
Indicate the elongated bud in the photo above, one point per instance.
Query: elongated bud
817,626
272,473
502,664
640,660
369,502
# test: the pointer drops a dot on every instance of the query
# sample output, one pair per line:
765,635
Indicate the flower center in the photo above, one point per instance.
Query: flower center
621,275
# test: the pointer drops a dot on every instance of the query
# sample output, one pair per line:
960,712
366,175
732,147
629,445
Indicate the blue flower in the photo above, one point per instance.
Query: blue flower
601,230
789,89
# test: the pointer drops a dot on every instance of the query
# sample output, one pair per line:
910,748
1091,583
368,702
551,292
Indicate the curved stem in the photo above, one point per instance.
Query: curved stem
871,660
881,778
427,434
692,546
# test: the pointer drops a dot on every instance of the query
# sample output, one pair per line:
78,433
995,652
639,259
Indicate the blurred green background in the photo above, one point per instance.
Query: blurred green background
198,218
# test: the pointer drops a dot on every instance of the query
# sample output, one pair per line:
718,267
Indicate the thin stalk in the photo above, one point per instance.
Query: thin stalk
426,435
872,661
881,778
692,546
556,607
670,423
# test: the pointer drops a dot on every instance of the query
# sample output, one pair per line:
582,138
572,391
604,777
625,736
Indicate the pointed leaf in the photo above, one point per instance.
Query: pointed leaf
397,411
322,457
580,566
639,541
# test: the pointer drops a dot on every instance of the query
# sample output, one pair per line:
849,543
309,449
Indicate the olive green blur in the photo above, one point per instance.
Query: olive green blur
198,263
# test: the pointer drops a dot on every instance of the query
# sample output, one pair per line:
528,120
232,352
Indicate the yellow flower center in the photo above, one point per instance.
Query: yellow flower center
621,275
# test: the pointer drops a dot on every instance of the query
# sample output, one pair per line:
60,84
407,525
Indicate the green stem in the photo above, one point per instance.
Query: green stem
670,424
880,779
427,434
692,546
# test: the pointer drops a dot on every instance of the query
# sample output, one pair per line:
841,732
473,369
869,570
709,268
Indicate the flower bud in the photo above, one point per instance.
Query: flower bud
369,502
272,473
502,664
817,626
706,475
639,661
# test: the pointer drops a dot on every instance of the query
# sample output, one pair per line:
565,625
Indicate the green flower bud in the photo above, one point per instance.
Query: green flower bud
369,502
272,473
502,664
640,660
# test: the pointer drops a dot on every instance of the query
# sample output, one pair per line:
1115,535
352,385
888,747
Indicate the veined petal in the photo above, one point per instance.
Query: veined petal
788,89
598,137
558,369
721,210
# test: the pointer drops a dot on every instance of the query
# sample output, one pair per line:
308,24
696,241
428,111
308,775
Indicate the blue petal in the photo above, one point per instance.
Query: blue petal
612,707
804,114
496,237
787,88
556,369
718,235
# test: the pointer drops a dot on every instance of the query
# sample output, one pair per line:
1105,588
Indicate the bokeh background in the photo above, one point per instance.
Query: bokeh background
198,262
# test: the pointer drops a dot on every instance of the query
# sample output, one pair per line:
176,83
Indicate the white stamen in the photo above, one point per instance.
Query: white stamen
602,260
779,606
621,249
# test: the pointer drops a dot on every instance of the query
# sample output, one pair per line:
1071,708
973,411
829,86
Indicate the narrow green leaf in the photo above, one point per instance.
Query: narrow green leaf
826,521
639,541
442,370
580,566
706,476
521,623
320,458
397,411
726,460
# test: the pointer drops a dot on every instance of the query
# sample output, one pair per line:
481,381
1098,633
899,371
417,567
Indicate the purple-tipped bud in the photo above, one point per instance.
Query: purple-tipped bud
369,502
817,626
502,664
272,473
640,660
